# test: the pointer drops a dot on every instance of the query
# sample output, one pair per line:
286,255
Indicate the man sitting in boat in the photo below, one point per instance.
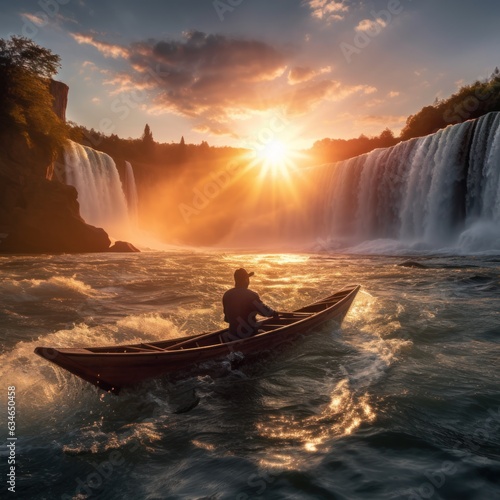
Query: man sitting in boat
241,307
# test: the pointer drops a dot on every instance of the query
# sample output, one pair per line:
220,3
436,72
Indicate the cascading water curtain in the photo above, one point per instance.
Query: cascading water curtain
131,193
100,193
438,191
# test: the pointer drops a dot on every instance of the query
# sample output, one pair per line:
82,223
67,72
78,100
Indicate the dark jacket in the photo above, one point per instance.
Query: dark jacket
241,306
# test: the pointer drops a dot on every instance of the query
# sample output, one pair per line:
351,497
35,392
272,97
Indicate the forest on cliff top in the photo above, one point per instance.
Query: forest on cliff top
26,70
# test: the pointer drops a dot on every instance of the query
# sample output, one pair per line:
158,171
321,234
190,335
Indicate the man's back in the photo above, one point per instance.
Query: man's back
241,306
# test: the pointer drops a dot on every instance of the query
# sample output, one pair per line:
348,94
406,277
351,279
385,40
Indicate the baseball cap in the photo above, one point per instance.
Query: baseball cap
241,274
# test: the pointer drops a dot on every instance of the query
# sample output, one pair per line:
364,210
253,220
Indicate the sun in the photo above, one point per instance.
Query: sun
274,152
274,158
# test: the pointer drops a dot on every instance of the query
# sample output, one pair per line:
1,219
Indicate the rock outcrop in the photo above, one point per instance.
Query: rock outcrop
123,246
38,212
38,215
59,91
412,263
48,221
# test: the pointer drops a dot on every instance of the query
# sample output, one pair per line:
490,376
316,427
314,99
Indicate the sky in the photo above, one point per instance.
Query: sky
245,72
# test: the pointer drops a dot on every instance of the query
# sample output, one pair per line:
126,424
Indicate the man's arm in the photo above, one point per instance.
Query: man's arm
263,309
224,307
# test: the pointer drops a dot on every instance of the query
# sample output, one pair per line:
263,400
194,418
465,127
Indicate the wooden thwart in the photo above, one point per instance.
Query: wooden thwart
153,347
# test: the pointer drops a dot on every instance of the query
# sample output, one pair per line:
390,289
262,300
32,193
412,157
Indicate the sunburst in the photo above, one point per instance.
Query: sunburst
274,159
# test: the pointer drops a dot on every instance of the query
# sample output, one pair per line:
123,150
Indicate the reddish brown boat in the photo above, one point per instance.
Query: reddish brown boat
113,367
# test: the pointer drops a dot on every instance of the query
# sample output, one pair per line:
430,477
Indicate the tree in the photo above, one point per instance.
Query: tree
26,104
387,135
22,53
148,143
469,102
147,136
427,121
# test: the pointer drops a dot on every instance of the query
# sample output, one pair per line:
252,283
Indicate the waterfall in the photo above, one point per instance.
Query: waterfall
131,193
438,191
100,194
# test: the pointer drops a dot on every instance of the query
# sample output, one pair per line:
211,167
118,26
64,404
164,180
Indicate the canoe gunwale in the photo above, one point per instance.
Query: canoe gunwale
307,319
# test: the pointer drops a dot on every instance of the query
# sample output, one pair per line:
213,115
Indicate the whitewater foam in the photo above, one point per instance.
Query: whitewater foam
46,382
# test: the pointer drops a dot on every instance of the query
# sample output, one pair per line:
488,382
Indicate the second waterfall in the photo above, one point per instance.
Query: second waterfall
441,191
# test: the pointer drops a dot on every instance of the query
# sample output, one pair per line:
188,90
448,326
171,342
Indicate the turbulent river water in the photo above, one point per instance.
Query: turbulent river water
400,402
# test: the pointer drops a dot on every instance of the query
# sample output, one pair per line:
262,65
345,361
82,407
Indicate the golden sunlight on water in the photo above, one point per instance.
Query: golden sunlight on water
94,440
344,414
369,333
203,445
268,259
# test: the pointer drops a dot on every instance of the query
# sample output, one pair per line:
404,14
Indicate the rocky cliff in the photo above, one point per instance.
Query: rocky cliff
39,214
59,91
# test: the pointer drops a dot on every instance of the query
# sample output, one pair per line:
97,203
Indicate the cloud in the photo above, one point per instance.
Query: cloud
307,97
390,121
202,59
209,78
106,49
327,10
310,95
127,83
212,79
34,18
299,74
216,80
89,69
372,26
51,18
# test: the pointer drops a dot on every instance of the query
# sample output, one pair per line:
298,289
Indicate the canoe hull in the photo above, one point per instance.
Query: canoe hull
114,367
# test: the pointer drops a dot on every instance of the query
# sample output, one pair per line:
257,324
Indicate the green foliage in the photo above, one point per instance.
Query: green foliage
329,150
428,120
470,102
26,105
22,53
165,156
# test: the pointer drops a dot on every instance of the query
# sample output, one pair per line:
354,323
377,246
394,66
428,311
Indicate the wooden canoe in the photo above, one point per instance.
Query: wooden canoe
113,367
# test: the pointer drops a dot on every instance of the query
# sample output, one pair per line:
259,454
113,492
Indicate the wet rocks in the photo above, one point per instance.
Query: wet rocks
123,246
412,263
